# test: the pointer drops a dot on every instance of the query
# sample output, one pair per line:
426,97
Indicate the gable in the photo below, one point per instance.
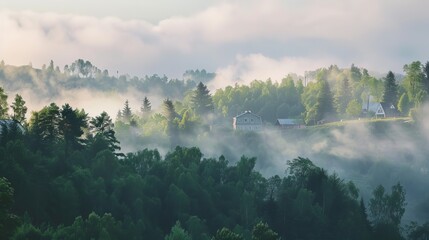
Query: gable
248,118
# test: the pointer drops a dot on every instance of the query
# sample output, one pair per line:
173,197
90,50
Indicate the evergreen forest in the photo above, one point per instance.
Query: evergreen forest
178,170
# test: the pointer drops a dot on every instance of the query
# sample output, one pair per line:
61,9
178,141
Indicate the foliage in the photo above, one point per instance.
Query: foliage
413,81
342,96
404,104
177,233
126,112
146,108
201,100
8,220
19,109
385,208
226,234
354,109
3,104
418,232
317,99
265,98
390,95
70,181
101,128
261,231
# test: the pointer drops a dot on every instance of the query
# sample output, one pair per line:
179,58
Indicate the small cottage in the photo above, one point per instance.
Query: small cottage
247,121
374,107
287,123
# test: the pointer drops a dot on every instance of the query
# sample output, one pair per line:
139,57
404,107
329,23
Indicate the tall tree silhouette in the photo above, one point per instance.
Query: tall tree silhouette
202,102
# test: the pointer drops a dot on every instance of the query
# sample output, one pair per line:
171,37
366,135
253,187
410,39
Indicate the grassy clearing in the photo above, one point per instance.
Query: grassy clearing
362,121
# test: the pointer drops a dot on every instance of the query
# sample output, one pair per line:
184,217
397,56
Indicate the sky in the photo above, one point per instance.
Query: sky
240,40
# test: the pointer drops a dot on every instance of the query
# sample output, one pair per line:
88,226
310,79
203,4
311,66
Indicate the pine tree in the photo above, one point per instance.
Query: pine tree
102,127
324,99
119,115
126,112
19,109
170,114
71,124
146,108
202,102
390,95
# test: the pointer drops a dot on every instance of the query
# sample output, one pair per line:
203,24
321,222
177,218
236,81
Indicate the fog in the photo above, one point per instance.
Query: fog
222,36
93,102
369,154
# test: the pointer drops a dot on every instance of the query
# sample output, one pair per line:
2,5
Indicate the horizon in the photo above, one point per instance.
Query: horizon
238,40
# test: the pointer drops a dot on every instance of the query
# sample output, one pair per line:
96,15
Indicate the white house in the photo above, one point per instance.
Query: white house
247,121
374,107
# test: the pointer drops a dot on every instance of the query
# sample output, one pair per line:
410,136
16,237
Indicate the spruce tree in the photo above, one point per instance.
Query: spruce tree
146,108
170,114
126,112
324,99
202,102
390,95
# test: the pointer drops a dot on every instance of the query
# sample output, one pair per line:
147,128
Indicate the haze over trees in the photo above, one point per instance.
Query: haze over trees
65,176
93,193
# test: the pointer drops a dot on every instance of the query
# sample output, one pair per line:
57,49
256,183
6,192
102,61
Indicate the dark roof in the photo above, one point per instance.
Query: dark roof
289,121
389,108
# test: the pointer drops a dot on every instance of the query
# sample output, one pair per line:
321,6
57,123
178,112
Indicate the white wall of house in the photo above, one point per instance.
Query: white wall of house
247,121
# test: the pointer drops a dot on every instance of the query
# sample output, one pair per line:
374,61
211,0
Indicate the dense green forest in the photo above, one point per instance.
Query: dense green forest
64,175
58,185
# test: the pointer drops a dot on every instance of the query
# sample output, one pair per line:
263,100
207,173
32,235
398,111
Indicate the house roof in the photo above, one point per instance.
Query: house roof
246,113
372,106
288,121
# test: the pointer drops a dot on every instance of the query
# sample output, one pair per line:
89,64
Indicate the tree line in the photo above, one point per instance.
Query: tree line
64,178
50,80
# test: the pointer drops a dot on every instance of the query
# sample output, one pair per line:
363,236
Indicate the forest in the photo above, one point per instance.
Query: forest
177,170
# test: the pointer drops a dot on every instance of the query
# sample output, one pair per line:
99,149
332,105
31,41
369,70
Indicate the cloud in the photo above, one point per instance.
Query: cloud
259,67
290,35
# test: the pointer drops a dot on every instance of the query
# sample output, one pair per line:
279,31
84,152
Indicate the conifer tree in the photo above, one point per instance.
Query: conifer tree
146,108
19,109
169,110
390,95
102,127
202,102
119,115
170,114
126,112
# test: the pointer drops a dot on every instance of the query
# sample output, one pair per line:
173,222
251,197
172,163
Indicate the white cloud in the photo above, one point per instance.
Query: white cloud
249,39
259,67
